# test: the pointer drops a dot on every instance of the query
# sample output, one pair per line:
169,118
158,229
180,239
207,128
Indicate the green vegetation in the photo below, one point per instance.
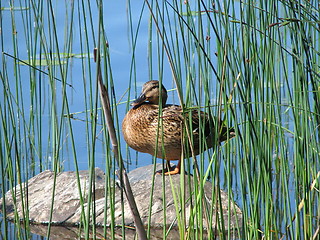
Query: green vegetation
253,64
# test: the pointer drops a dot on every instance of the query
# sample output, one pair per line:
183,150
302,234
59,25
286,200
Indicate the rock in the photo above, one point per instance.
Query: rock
40,188
68,210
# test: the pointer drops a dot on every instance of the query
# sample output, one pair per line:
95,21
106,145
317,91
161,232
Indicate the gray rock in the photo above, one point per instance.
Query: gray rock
37,195
67,209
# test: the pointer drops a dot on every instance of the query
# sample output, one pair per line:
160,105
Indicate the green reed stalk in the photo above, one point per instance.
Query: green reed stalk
253,64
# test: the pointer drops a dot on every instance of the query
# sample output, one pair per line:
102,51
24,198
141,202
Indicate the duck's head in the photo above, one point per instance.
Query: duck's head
151,93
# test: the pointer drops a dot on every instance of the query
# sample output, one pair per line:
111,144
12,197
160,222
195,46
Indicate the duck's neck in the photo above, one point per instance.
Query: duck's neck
157,102
163,101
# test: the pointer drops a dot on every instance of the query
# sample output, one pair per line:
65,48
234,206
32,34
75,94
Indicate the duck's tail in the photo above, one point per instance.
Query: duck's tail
226,133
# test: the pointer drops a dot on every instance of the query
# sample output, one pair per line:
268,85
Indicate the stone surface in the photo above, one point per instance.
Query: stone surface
37,195
67,208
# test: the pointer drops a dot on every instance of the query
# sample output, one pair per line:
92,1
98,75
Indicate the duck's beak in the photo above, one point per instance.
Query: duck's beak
141,99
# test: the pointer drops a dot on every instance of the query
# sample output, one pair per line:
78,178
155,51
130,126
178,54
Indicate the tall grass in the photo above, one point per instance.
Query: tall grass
252,64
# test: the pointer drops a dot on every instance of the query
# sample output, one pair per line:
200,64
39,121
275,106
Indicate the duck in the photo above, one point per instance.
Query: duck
155,127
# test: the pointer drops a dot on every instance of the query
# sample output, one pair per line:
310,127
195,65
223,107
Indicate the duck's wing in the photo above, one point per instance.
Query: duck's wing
200,122
197,120
205,124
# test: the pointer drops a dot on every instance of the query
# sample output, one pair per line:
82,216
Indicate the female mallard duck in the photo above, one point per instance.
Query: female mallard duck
143,131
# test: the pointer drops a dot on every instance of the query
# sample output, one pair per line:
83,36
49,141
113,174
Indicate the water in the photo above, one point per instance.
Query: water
116,25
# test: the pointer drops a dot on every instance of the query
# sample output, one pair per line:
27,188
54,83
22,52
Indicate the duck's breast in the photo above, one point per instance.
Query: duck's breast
137,128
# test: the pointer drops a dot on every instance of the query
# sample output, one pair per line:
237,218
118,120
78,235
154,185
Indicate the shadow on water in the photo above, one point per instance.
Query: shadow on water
39,231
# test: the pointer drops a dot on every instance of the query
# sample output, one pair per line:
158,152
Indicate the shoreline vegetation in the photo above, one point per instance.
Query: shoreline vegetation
255,65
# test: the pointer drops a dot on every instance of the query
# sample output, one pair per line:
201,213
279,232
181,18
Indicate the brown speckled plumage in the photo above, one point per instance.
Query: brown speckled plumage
141,127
